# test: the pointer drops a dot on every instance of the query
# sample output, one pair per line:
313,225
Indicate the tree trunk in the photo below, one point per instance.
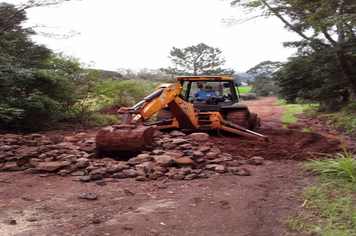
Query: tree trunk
346,65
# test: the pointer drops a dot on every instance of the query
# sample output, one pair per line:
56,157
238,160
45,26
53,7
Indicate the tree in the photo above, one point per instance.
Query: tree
237,79
263,83
11,15
322,24
197,60
15,41
313,77
36,86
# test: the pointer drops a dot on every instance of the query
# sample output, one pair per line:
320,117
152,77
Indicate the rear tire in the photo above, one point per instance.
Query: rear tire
254,121
239,117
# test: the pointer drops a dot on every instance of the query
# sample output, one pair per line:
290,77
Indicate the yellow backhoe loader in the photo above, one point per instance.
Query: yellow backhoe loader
179,107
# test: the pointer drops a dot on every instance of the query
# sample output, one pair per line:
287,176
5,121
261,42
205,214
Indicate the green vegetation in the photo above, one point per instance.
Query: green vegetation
39,88
323,69
244,89
306,130
347,119
331,199
339,166
263,83
344,120
288,115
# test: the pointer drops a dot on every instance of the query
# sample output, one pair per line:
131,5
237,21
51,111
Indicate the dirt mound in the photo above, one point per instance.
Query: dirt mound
285,144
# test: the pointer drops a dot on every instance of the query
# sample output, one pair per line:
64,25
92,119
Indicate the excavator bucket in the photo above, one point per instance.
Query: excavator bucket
124,140
132,137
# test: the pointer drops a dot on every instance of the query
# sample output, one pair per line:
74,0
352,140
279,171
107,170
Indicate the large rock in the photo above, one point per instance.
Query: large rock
82,163
87,147
221,169
10,166
184,161
96,175
163,160
117,167
64,145
211,155
5,148
200,137
57,138
130,173
77,138
179,141
177,133
51,166
139,159
174,154
256,160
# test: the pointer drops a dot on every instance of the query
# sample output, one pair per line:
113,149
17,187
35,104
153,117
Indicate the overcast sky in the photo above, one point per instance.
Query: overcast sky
138,34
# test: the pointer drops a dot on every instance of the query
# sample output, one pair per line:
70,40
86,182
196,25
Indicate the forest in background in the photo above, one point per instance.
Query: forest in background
39,88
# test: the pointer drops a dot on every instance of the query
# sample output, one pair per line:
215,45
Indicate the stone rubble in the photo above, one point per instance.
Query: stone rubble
175,156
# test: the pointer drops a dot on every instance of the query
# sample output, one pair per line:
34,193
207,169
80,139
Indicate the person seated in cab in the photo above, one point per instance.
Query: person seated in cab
205,95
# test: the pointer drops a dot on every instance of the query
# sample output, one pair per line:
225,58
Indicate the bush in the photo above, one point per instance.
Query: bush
126,93
348,118
343,166
97,119
38,112
249,96
10,116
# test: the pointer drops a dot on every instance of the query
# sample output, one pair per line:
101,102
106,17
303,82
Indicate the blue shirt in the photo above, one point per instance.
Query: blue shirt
203,95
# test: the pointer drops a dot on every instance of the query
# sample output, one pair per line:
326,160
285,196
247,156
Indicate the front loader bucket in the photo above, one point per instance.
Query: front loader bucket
123,140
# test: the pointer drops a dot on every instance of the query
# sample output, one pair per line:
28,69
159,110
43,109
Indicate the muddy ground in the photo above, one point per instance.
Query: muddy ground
222,204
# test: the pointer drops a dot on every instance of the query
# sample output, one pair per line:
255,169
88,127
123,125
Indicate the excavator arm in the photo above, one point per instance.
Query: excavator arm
165,94
132,135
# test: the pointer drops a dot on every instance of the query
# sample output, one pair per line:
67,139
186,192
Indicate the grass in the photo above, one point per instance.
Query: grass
306,130
331,200
341,166
288,115
245,89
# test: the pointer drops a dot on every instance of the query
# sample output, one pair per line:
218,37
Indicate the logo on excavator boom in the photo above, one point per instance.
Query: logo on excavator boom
185,108
163,97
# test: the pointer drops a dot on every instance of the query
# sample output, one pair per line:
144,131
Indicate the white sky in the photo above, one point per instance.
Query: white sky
139,34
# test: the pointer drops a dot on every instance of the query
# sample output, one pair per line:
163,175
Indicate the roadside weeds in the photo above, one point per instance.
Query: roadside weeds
331,198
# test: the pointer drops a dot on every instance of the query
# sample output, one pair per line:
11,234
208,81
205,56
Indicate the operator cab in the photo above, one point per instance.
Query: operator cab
223,87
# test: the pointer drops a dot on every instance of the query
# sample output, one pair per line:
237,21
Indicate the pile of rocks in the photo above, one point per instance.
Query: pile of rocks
175,155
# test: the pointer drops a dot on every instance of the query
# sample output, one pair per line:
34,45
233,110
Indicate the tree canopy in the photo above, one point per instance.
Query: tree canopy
197,60
323,25
263,83
37,86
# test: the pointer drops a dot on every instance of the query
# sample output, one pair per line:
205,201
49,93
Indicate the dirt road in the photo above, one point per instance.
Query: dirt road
222,204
